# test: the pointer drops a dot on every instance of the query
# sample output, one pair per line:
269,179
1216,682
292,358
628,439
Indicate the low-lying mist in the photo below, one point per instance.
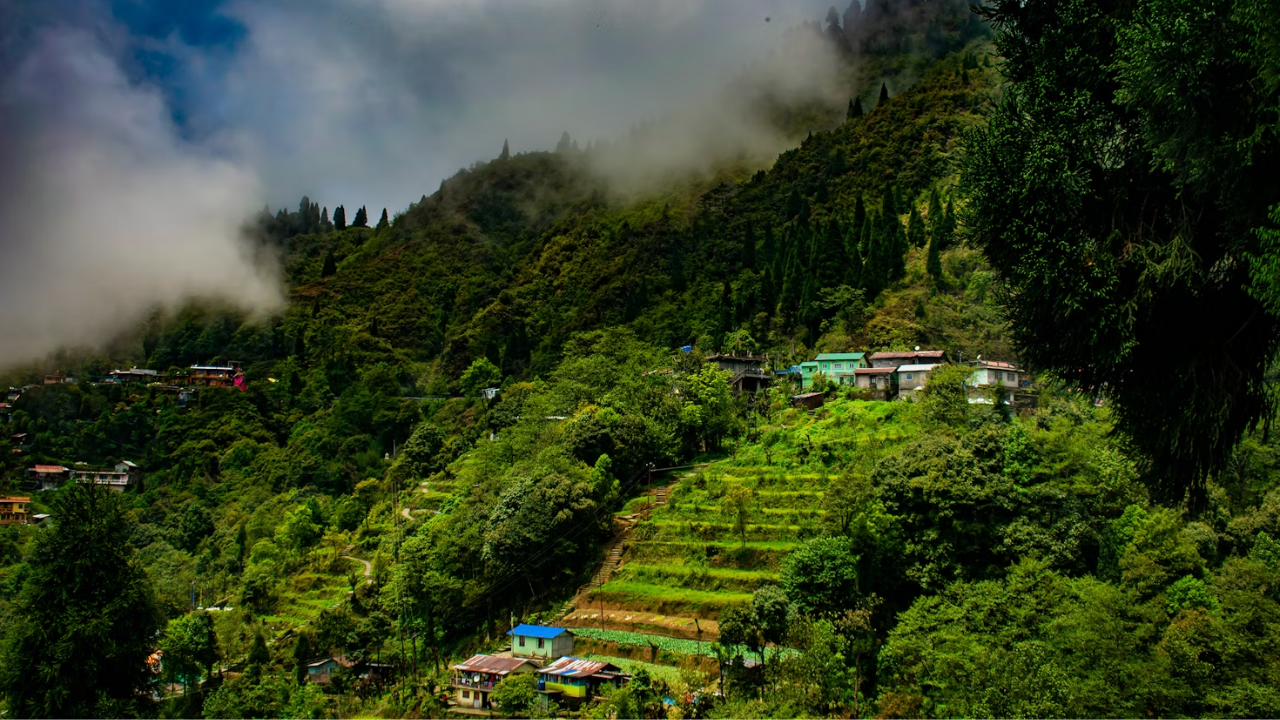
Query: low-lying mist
107,212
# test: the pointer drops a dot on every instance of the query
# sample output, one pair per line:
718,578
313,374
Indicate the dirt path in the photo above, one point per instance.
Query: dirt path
405,512
368,568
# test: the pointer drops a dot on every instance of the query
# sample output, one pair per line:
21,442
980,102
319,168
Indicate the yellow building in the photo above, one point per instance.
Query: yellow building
14,510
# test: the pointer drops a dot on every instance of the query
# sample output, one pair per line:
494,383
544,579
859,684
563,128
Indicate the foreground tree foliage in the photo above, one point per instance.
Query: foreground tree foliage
85,621
1122,188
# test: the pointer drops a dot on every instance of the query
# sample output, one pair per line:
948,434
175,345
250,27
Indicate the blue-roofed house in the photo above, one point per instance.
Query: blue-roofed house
539,641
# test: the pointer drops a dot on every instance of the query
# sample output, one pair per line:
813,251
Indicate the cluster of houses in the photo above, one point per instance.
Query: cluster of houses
896,374
564,679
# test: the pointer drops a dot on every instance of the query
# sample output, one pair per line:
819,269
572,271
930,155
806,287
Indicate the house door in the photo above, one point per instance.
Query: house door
476,703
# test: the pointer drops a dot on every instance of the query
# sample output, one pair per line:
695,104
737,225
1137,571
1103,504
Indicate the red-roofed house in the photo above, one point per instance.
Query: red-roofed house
474,679
48,477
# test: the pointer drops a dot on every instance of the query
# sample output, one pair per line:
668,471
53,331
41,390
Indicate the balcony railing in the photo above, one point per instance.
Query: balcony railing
475,684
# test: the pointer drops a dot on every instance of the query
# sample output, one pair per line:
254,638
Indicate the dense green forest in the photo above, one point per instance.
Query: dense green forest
1110,548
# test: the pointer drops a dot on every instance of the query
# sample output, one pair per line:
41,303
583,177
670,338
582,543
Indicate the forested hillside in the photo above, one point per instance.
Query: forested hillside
360,496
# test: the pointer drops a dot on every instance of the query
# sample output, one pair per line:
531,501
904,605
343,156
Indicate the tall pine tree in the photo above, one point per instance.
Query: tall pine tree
383,221
915,229
935,214
340,218
933,263
362,218
884,94
506,151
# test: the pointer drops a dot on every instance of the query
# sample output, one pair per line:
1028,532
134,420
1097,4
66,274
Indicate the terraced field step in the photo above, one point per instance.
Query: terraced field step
588,620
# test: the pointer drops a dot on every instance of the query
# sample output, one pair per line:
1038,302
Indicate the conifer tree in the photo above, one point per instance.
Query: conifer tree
749,249
383,221
884,94
948,230
933,263
793,203
855,109
769,247
935,214
330,265
362,218
565,143
340,218
506,151
324,217
893,241
832,263
915,229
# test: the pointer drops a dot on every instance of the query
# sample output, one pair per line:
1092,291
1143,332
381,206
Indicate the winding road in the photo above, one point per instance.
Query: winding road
368,568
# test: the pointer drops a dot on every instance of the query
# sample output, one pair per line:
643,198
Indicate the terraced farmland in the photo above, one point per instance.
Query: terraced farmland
685,559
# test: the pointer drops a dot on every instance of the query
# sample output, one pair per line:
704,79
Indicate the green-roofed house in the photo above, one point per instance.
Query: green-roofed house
807,371
837,367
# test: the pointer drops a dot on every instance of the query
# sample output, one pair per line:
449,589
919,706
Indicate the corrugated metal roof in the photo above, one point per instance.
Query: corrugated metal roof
537,631
916,368
50,468
840,356
492,664
907,354
569,666
874,371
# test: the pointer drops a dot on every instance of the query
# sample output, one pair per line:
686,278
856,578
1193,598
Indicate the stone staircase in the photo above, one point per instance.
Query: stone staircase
612,558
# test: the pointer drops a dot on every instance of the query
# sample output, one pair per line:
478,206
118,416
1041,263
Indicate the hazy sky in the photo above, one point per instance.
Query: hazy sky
138,132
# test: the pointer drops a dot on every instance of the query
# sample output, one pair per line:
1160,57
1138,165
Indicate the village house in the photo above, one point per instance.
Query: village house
20,443
135,375
48,477
321,672
124,476
807,371
987,373
6,413
537,641
58,378
577,679
875,378
840,367
215,375
913,377
474,679
749,374
14,510
909,357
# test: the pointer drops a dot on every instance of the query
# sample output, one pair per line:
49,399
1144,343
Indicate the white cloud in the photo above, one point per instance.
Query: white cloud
108,213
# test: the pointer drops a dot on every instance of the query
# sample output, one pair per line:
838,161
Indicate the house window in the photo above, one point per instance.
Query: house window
540,643
466,694
521,641
908,376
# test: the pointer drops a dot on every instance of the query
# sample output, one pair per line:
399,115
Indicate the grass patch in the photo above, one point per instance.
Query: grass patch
668,600
665,673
